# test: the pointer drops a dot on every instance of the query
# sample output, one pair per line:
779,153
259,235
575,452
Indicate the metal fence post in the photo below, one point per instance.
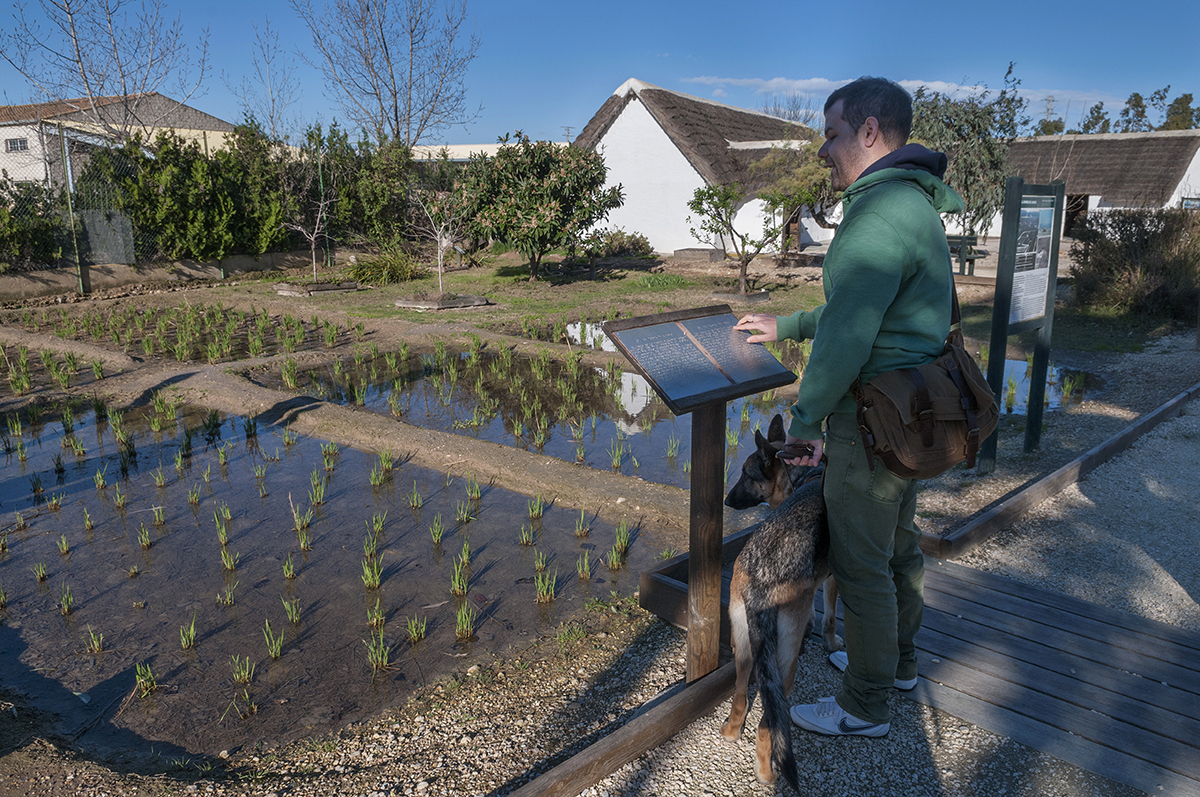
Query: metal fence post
67,187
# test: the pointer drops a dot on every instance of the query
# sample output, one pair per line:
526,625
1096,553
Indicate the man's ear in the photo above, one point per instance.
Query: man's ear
869,132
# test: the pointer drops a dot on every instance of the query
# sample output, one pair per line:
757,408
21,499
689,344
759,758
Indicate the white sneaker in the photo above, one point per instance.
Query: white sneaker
838,659
828,718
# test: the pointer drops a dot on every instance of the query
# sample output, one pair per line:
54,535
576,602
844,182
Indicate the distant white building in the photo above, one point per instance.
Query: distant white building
660,146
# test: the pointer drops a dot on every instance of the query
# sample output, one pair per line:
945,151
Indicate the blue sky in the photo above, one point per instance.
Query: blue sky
543,66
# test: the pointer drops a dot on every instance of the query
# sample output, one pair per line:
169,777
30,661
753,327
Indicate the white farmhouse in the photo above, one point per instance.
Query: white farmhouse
660,146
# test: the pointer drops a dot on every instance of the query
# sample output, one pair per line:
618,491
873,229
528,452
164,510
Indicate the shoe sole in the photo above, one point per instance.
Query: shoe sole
902,685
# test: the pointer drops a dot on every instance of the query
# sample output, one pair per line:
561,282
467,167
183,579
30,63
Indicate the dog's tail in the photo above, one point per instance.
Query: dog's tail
764,641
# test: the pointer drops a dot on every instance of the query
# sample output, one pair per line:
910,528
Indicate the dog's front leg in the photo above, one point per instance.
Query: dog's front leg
829,621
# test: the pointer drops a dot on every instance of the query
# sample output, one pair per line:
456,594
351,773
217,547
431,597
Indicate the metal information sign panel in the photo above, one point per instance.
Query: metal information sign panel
1025,279
694,357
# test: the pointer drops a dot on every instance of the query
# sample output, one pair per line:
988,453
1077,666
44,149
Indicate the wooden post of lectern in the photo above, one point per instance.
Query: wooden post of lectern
706,531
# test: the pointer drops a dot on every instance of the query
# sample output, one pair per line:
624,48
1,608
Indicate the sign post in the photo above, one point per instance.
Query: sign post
1025,282
696,362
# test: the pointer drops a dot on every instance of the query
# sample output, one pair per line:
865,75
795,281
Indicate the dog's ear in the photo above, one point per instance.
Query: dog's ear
761,443
776,432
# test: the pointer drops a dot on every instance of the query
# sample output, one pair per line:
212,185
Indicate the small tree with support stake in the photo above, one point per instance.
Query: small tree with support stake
716,207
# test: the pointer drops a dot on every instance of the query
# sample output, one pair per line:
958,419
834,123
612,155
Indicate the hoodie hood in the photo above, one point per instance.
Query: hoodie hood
916,164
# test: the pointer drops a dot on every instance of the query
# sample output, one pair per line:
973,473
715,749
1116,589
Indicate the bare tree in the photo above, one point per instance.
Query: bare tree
794,107
103,59
396,66
270,96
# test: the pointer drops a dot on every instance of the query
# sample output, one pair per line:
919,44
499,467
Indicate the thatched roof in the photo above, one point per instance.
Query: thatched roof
720,141
1126,169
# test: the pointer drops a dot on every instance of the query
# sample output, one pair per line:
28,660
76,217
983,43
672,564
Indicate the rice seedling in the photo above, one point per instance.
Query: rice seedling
160,478
99,478
66,601
35,484
474,491
147,684
64,547
159,515
289,437
292,609
39,572
464,622
372,572
133,571
222,529
226,512
376,615
290,372
225,597
250,427
77,446
289,567
615,454
229,560
613,560
19,522
672,447
3,598
582,527
330,332
437,530
537,507
144,537
87,520
223,454
378,652
583,567
1010,397
370,542
465,555
416,629
274,642
316,493
539,561
95,641
187,634
526,537
207,474
304,537
622,536
243,669
414,498
119,498
4,543
377,477
179,462
544,585
458,579
665,553
462,513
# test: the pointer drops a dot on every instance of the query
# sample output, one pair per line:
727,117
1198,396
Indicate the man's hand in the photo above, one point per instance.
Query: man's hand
817,446
766,323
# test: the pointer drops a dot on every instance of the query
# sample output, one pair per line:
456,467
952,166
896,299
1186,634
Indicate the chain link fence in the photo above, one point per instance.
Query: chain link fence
61,198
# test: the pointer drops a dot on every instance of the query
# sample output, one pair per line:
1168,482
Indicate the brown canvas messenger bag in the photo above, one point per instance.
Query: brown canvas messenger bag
923,421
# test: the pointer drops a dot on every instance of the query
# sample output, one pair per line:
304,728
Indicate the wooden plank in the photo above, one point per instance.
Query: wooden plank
704,561
632,739
1113,764
1107,732
1172,720
976,531
1117,618
1083,647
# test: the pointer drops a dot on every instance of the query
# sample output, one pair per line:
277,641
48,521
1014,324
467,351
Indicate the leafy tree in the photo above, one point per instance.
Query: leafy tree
536,195
1181,115
398,68
975,133
253,165
1095,120
716,207
1050,127
798,179
1133,116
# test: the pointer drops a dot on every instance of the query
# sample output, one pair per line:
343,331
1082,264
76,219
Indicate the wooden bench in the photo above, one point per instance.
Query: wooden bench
963,249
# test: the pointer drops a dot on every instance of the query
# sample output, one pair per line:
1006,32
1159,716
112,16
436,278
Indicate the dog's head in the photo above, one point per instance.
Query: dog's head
764,476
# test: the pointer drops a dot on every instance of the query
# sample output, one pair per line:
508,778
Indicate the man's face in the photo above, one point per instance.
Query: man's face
844,151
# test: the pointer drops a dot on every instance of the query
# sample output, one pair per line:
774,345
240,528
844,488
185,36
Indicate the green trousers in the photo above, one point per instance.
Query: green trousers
880,570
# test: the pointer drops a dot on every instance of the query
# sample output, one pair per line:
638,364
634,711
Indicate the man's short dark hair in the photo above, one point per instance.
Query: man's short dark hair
879,97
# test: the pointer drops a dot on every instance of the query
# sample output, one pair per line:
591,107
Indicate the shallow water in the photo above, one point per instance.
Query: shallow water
322,679
1064,388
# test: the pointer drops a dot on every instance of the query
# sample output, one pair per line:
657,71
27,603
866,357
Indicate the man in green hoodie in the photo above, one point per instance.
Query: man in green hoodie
888,283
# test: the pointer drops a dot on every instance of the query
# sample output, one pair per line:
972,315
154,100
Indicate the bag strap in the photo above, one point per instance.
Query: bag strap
868,439
969,406
922,405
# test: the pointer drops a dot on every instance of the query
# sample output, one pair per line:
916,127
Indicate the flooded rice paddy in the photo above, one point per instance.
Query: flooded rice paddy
115,552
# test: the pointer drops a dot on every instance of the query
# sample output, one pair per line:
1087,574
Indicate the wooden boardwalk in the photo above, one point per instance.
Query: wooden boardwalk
1110,692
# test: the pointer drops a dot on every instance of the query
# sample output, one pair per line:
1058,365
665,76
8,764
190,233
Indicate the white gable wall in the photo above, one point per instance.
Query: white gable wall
27,165
1189,186
657,179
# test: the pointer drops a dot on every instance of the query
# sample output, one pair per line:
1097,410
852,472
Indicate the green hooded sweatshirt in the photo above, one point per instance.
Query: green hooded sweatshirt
888,283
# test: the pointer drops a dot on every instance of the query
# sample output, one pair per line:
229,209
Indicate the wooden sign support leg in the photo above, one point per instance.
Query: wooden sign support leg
707,521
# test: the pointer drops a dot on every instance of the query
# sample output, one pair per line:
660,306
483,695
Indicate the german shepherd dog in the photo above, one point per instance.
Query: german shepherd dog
775,578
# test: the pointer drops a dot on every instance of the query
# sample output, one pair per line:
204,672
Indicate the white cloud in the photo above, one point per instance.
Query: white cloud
720,93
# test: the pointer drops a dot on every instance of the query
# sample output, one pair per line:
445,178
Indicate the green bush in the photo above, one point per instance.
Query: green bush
1138,261
618,243
31,228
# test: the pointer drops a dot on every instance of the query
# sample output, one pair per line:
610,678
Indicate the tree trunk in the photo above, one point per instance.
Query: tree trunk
745,265
533,269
